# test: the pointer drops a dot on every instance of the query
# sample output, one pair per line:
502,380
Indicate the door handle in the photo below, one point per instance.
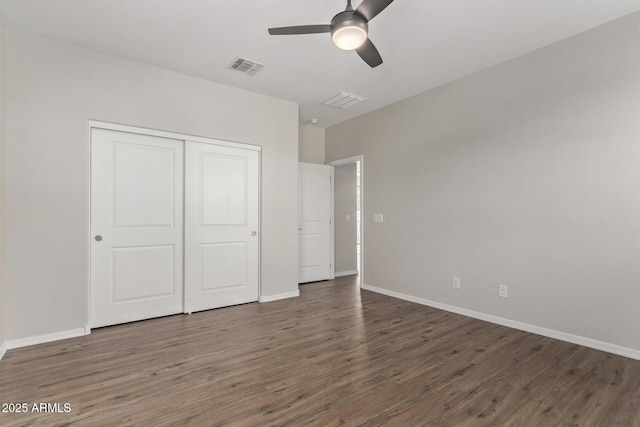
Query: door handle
253,233
98,238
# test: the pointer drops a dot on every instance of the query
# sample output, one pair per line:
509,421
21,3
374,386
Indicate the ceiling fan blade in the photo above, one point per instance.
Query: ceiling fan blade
370,8
300,29
369,53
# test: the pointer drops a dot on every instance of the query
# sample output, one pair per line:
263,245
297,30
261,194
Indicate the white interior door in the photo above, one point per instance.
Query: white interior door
136,227
314,227
221,226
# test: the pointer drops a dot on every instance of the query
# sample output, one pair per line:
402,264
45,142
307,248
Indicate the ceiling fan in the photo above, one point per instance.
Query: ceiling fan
348,29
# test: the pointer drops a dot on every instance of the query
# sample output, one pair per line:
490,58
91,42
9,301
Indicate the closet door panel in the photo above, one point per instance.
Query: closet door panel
221,226
136,227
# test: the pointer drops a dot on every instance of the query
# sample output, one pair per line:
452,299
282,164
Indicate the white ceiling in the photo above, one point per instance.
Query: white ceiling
424,43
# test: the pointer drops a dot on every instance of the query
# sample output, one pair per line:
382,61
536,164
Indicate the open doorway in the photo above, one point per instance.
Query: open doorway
348,235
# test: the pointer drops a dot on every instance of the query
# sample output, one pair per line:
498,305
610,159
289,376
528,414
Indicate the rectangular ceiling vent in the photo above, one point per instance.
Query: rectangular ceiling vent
344,100
245,66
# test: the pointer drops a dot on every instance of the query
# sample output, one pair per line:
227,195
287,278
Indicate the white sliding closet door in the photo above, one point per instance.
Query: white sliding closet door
221,226
136,227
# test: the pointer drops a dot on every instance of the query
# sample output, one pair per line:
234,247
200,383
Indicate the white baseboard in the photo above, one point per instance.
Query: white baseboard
346,273
3,350
41,339
269,298
551,333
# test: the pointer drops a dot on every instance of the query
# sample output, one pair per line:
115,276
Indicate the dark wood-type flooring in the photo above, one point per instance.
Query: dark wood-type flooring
337,355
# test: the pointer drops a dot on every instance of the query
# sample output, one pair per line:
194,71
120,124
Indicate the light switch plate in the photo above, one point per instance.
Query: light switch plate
378,218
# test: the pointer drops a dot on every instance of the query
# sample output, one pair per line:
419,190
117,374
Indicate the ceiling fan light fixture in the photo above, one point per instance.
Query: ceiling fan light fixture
348,30
349,37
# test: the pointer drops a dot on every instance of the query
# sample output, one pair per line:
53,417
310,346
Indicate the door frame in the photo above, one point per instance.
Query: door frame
97,124
346,161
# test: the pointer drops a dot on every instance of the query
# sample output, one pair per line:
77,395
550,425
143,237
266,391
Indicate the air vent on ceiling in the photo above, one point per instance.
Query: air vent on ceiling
344,100
245,66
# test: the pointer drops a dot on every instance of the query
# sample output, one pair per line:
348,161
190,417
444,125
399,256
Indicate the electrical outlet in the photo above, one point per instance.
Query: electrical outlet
456,282
378,218
503,291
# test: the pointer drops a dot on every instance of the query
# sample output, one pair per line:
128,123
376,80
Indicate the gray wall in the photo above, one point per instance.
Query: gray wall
2,169
311,144
526,174
53,90
345,231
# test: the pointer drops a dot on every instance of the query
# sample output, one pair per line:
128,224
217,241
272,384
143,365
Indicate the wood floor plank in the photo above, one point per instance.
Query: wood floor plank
337,355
